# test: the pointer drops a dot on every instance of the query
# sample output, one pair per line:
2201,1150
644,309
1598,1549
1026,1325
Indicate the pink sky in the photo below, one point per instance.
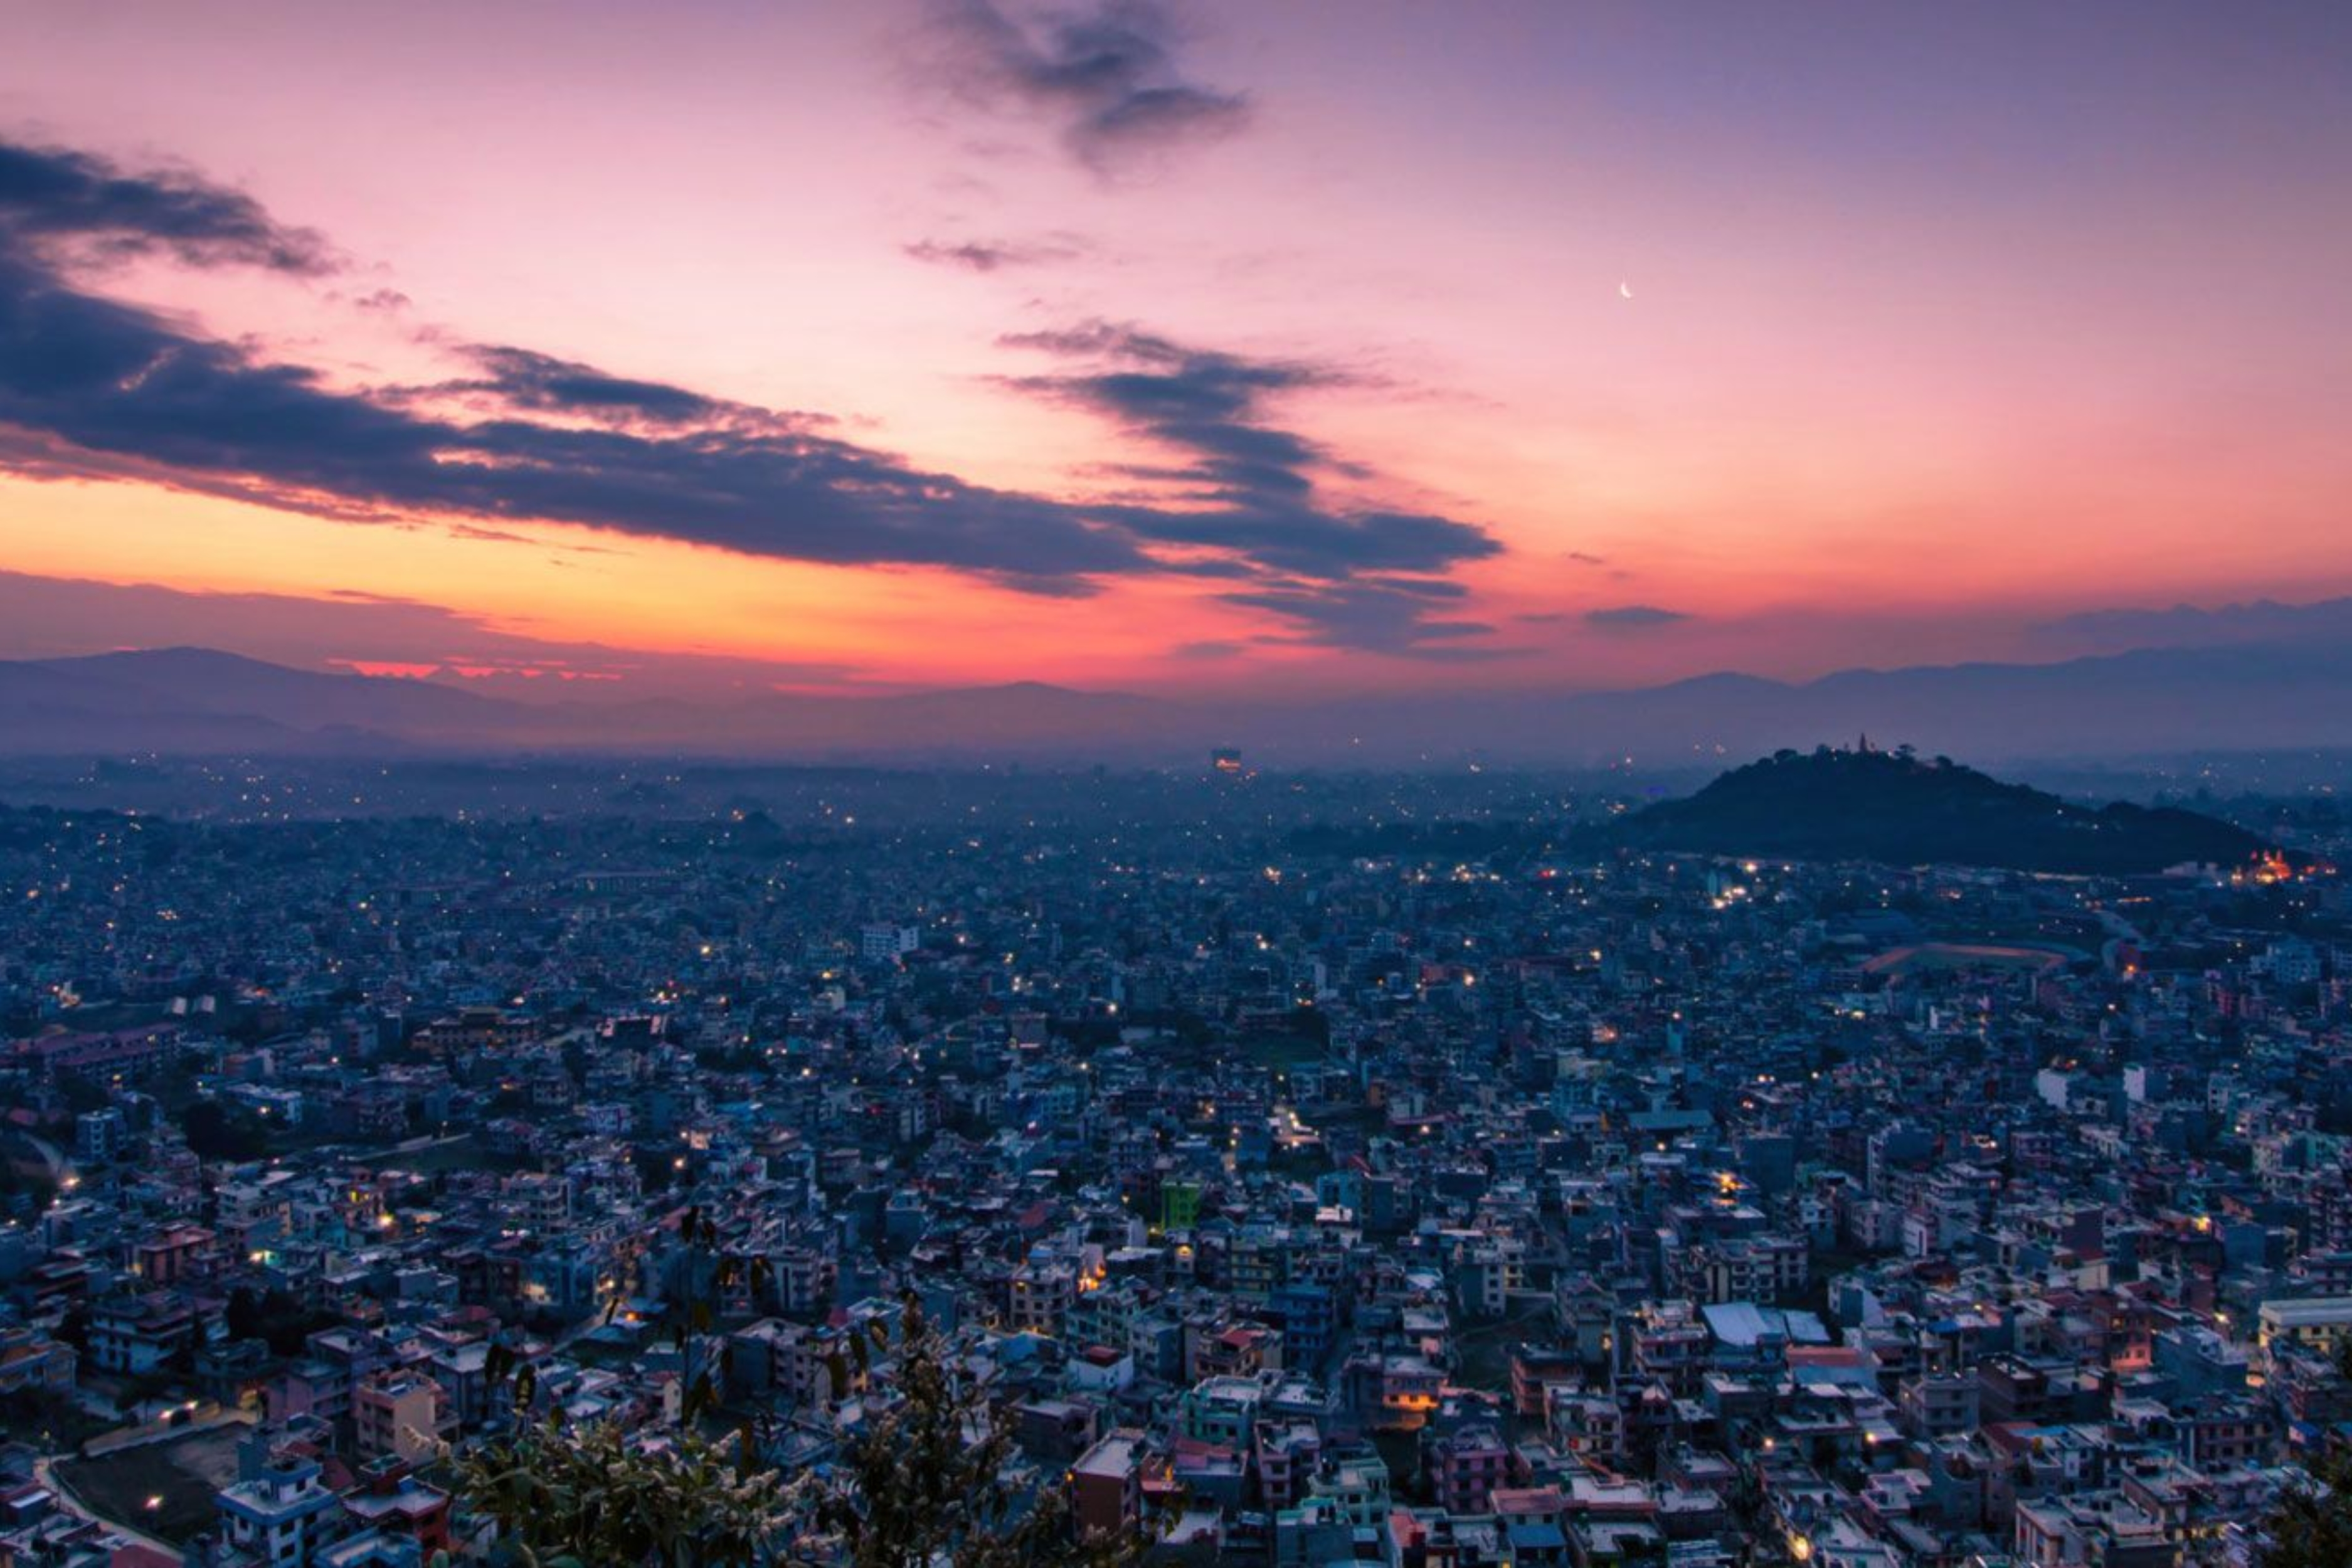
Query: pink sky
1942,323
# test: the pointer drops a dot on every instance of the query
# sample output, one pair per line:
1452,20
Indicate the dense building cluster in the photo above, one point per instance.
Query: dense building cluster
1302,1188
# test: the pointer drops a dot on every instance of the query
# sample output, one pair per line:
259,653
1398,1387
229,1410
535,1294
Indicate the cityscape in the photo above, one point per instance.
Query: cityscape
970,783
1300,1189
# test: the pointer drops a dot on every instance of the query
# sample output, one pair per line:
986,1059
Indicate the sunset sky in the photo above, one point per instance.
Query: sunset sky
1241,347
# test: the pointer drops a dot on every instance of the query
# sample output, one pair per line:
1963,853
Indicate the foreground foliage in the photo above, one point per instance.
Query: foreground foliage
932,1476
586,1497
2311,1526
935,1476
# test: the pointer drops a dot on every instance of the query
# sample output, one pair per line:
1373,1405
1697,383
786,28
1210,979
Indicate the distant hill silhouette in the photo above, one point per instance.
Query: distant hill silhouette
1906,811
194,701
187,702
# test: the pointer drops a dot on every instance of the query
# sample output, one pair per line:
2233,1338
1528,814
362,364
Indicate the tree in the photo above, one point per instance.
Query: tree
213,1132
276,1316
586,1497
29,1180
2311,1527
80,1095
929,1476
1761,1541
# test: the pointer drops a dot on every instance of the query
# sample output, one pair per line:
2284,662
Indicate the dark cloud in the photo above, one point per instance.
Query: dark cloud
1585,558
1203,403
1208,650
1386,615
51,193
111,379
1249,485
1106,77
988,256
91,385
1632,617
521,379
118,381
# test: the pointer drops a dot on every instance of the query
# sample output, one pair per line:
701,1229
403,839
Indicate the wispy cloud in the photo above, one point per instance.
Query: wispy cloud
1633,617
1107,79
1396,615
989,255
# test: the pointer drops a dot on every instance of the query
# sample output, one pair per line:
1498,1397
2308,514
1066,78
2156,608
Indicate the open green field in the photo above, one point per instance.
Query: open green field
461,1154
1281,1052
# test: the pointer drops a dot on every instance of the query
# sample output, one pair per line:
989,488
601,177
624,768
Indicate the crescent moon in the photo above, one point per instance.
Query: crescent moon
1625,290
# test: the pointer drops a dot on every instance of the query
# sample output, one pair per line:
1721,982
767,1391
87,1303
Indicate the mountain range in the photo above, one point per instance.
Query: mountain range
197,702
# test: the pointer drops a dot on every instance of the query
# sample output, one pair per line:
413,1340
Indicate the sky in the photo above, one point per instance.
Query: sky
1231,349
